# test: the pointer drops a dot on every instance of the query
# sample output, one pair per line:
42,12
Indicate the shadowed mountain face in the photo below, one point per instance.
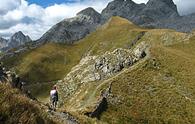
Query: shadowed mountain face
18,39
73,29
3,42
154,14
141,14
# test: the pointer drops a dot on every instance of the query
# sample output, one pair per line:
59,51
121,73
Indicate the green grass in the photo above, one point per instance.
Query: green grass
158,90
52,62
16,108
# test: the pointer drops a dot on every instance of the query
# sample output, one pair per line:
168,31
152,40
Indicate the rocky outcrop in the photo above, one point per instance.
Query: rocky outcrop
18,39
160,9
3,42
73,29
96,68
123,8
101,105
141,14
154,14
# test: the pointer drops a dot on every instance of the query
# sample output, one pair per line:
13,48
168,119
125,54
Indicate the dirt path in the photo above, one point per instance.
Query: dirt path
63,117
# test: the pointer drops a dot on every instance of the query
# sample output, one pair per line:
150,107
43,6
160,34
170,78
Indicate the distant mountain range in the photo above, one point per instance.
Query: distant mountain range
153,14
15,40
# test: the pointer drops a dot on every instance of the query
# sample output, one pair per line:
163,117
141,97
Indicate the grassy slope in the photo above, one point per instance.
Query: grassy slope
16,108
159,90
53,61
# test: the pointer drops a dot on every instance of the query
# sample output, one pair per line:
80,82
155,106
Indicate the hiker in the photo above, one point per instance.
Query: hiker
54,97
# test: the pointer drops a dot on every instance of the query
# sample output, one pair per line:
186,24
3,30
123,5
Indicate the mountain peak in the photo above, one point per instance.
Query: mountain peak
88,12
18,39
3,42
19,33
168,3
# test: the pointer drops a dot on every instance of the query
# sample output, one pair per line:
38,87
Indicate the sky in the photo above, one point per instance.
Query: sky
35,17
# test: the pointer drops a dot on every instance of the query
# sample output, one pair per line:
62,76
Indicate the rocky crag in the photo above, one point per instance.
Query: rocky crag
16,40
153,14
98,69
73,29
3,43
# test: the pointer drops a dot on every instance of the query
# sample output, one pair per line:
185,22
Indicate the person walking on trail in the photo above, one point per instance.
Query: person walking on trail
54,97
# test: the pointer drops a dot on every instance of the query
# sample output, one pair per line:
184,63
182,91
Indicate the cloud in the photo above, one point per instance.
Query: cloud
185,6
7,5
34,20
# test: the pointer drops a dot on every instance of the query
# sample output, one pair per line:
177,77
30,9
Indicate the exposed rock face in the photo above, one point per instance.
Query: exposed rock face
123,8
96,68
160,9
18,39
183,23
102,104
3,43
155,14
140,13
73,29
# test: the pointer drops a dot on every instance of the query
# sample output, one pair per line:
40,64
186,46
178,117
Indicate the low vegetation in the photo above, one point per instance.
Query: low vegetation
159,89
16,108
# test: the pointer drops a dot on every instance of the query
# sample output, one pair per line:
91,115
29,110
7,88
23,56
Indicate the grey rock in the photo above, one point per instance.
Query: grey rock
99,68
141,13
3,42
154,14
73,29
123,8
18,39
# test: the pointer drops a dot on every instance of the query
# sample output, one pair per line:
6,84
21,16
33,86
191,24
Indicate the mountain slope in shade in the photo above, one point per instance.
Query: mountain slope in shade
154,14
3,43
18,39
73,29
141,14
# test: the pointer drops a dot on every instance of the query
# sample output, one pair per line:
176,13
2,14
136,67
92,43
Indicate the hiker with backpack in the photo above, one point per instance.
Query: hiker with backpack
54,97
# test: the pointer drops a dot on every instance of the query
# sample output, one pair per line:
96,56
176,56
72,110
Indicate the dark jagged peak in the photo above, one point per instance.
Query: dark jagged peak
89,15
153,11
73,29
18,39
123,8
88,11
3,42
161,9
18,34
170,3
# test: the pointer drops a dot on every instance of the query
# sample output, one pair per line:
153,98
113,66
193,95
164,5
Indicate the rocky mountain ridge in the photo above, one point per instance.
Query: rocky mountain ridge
16,40
153,14
73,29
3,42
99,68
120,73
